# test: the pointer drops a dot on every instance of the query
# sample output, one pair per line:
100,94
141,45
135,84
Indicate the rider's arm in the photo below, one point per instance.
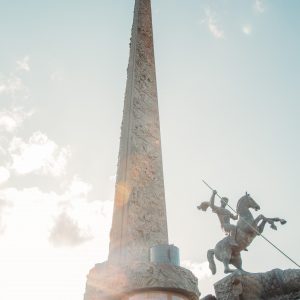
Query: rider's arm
212,200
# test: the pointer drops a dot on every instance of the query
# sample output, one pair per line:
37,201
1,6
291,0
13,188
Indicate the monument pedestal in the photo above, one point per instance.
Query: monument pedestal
107,281
274,285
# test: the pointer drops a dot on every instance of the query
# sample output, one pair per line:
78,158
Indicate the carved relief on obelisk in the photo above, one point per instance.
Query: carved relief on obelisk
140,257
139,218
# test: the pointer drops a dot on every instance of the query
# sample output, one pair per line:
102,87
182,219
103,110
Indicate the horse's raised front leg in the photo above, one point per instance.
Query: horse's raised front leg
272,221
260,227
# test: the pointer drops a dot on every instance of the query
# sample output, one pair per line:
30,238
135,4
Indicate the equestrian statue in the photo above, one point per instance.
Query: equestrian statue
239,236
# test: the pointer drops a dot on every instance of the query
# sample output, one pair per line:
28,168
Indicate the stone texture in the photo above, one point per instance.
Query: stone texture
156,295
139,218
110,281
274,285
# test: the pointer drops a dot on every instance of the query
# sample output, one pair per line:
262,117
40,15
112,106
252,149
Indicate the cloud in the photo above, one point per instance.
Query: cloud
11,120
11,85
23,64
4,141
213,25
200,270
259,6
64,219
79,188
27,252
79,219
247,29
4,175
38,155
66,232
49,231
8,122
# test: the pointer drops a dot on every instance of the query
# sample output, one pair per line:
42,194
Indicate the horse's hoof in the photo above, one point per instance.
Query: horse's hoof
274,227
282,222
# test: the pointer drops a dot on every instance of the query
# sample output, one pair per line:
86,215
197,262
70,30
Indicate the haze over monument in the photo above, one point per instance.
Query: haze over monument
229,112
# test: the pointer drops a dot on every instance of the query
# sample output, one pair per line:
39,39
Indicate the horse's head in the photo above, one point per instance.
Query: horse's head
246,202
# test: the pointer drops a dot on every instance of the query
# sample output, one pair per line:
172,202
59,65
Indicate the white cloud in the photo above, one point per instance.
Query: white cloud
213,25
2,150
4,175
11,120
26,252
39,155
23,64
66,219
79,187
11,85
4,141
259,6
8,122
247,29
200,270
66,232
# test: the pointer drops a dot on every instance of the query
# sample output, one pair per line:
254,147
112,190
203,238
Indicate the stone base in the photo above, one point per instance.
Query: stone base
274,285
113,282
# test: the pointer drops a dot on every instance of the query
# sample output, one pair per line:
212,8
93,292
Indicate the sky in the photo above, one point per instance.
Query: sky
228,75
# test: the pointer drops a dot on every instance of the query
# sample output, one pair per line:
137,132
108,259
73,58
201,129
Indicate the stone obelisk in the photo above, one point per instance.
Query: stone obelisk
139,219
140,259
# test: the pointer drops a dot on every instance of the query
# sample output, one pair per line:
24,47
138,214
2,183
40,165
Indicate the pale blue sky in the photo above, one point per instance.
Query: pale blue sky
228,82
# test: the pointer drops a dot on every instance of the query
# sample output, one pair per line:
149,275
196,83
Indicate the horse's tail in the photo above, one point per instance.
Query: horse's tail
211,260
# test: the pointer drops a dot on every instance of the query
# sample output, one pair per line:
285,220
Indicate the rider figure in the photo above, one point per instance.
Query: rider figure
224,216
